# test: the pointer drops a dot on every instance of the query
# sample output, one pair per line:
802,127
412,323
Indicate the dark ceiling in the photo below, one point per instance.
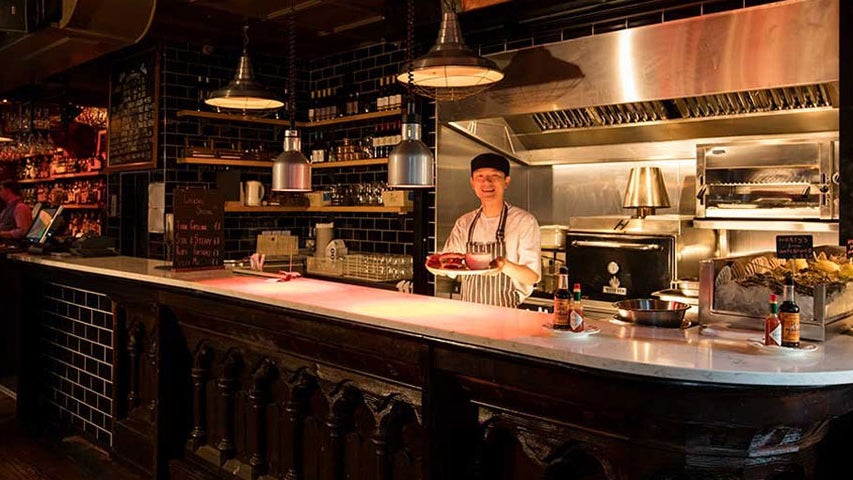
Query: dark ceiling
323,27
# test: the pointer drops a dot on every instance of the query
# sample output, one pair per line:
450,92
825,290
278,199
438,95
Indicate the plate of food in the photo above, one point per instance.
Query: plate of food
452,264
758,344
587,331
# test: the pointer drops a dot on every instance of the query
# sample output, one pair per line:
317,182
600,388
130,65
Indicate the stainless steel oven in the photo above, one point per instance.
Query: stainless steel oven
768,179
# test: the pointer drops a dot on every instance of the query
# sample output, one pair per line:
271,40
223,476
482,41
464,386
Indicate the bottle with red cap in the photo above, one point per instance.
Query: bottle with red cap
576,323
772,324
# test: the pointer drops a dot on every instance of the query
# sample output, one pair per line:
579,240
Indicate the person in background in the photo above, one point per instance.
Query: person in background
510,233
16,216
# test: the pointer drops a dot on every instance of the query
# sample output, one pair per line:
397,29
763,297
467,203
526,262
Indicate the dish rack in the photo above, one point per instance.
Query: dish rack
377,267
324,266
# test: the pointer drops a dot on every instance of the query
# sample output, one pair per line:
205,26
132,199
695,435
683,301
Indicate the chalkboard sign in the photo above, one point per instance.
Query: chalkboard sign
794,246
198,233
134,95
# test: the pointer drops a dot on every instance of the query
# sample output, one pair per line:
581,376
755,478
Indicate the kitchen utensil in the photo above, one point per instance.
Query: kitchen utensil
254,193
689,287
649,311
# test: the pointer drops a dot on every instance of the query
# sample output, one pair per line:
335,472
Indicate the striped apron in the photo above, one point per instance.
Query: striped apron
490,289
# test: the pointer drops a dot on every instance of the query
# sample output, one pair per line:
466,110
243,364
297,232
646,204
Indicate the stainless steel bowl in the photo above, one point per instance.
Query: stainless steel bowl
650,311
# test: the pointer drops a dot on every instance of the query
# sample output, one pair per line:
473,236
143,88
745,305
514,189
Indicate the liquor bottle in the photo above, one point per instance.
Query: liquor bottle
772,324
312,109
576,323
562,301
789,314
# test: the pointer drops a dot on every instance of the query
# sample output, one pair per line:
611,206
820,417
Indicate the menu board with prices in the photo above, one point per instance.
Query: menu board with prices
134,95
198,229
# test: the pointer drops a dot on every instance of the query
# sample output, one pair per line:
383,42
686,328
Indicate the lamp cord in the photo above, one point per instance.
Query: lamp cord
291,61
410,36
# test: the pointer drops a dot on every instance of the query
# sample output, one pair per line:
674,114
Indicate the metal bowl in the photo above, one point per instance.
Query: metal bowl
650,311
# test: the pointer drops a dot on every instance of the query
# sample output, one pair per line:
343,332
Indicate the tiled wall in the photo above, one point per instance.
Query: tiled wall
76,336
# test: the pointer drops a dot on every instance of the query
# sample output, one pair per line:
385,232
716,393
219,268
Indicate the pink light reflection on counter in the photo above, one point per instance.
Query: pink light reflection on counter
451,315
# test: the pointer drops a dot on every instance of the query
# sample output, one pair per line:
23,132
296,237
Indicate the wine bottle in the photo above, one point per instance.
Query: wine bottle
576,321
562,301
789,314
772,324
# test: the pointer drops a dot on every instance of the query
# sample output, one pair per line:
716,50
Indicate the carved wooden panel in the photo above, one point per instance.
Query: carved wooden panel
267,414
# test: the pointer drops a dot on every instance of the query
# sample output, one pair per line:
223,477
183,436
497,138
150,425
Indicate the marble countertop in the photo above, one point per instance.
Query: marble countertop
712,354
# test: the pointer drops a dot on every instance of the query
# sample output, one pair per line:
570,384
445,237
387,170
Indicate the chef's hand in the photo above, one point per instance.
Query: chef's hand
499,263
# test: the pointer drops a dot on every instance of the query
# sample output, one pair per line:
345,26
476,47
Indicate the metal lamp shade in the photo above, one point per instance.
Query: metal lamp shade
411,164
646,191
243,92
291,171
450,63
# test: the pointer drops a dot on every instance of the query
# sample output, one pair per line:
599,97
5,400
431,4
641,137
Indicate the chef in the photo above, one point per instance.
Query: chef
510,234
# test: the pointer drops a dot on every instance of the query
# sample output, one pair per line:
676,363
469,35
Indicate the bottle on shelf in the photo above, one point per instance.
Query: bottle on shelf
562,301
576,316
789,314
312,107
772,324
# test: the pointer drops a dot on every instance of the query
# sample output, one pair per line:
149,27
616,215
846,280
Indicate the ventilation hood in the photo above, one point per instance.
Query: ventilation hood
86,30
646,92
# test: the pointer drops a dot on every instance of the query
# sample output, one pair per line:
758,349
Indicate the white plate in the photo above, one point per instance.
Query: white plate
587,331
758,344
453,273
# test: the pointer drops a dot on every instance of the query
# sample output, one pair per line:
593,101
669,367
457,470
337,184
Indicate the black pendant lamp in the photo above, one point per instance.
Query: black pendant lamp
410,163
291,171
450,70
243,92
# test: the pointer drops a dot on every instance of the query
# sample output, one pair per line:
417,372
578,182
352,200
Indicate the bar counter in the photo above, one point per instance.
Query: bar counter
218,372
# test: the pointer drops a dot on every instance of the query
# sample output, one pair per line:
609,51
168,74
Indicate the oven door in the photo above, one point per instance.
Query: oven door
613,267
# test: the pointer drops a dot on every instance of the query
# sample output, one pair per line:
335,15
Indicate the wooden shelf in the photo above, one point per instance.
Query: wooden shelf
354,118
286,123
237,118
350,163
261,163
225,162
238,207
62,176
83,206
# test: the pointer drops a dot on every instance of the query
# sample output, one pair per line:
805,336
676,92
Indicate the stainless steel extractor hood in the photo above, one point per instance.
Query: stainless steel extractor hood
764,70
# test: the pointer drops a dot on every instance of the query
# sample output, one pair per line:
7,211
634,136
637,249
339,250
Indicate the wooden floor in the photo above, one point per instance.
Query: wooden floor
73,458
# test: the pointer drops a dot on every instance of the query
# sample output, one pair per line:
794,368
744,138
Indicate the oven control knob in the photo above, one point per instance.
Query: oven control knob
613,268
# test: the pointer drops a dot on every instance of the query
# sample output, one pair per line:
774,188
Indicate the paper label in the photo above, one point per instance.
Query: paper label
790,327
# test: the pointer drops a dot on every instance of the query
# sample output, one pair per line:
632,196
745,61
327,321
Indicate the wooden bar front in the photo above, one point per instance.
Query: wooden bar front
214,387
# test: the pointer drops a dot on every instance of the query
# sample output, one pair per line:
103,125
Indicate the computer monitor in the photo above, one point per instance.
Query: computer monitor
45,218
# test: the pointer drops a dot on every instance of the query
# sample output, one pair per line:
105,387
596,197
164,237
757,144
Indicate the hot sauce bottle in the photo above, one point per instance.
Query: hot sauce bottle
576,310
562,301
772,324
789,314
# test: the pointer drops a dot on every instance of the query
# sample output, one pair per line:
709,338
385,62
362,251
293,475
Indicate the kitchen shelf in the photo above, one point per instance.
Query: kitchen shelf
354,118
237,118
239,207
768,225
224,162
286,123
62,176
350,163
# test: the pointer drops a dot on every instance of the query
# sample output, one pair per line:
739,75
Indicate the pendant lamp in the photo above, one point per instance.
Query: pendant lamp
243,92
291,171
410,163
450,70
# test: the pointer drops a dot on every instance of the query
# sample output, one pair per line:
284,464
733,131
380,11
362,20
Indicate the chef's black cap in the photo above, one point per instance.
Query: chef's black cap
490,160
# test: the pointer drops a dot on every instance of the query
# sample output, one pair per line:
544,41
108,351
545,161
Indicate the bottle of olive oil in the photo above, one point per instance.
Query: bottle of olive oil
789,314
576,323
772,324
562,301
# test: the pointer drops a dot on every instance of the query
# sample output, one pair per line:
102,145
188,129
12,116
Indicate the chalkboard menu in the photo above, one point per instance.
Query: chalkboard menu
794,246
134,95
198,232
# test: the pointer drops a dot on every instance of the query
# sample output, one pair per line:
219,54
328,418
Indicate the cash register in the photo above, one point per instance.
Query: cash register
46,221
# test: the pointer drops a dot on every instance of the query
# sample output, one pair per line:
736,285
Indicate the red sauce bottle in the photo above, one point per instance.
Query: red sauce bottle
772,324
